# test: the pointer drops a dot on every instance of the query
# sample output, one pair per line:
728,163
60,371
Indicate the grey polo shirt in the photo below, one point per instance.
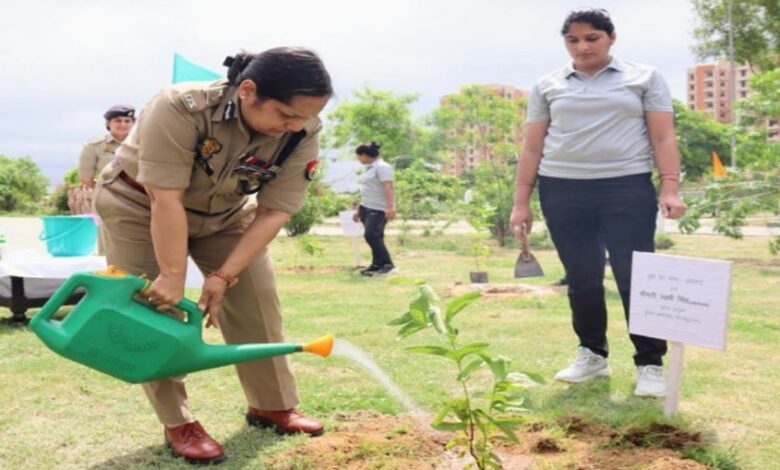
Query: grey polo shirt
597,124
370,182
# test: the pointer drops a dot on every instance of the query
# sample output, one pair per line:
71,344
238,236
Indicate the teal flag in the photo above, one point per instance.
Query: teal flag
186,71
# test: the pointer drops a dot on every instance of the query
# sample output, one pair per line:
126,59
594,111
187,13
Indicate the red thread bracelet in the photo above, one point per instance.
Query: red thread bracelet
229,280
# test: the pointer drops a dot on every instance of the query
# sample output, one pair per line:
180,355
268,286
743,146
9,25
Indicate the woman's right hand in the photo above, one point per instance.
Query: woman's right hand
521,220
165,292
355,216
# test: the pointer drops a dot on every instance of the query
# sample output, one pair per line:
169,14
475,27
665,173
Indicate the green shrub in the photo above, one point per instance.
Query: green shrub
22,186
663,241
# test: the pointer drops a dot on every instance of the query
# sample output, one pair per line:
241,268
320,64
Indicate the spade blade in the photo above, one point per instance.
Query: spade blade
527,266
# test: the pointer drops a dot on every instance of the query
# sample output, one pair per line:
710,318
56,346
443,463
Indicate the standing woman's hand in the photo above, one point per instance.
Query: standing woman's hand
671,205
165,292
355,216
390,213
521,220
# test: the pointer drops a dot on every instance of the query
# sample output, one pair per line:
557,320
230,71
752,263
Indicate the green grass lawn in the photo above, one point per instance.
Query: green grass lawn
58,414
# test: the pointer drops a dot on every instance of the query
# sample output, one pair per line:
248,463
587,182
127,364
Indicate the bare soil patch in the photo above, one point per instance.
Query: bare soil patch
501,291
371,440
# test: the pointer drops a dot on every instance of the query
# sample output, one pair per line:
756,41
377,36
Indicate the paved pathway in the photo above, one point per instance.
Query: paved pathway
22,232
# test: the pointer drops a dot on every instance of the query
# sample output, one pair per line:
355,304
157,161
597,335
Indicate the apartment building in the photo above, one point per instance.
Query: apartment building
708,89
466,160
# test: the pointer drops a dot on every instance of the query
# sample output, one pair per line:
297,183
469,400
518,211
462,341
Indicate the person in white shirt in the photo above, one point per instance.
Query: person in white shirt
594,131
377,206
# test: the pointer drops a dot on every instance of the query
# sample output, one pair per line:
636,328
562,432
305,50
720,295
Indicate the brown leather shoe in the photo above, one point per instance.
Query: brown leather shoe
193,443
284,422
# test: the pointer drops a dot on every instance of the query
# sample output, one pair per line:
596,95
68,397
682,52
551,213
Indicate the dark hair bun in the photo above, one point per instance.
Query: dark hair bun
375,144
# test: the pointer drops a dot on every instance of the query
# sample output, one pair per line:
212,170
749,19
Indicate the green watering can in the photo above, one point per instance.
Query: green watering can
110,331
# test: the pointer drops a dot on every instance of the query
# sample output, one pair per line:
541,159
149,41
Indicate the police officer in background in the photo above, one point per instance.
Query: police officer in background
214,170
98,152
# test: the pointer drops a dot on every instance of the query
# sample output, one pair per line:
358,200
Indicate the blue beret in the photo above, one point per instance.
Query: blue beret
120,110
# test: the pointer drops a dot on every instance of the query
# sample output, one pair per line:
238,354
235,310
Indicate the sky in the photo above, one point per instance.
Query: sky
65,62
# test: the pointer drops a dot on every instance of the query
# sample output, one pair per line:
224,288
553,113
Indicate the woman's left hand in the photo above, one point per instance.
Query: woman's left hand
671,205
214,289
390,213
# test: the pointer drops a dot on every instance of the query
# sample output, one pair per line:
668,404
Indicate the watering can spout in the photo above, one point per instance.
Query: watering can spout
222,355
321,346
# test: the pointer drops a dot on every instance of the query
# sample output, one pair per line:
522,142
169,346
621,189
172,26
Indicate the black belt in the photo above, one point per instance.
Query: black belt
139,187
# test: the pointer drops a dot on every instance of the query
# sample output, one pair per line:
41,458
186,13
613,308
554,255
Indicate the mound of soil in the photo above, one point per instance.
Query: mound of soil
371,440
500,291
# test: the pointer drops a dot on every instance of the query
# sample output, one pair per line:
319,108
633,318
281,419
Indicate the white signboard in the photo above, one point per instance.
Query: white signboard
349,226
680,299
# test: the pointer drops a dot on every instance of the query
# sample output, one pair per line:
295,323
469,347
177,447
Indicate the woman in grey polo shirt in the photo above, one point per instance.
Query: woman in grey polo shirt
595,129
377,206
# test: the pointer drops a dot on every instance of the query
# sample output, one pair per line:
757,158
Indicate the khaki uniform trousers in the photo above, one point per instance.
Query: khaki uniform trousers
250,311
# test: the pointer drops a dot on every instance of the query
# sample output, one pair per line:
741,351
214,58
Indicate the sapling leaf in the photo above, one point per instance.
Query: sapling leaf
432,350
408,330
419,317
469,369
507,427
464,351
458,304
405,318
449,426
434,317
427,292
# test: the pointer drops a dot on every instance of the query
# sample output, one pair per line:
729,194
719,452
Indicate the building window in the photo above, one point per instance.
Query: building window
691,107
743,72
690,76
691,87
709,94
742,94
742,83
772,122
722,84
709,104
691,98
708,74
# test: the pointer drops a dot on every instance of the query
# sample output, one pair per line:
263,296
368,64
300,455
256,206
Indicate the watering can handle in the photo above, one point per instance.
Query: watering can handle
59,298
194,314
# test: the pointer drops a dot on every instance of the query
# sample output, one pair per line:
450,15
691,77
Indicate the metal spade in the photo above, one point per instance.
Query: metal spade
526,264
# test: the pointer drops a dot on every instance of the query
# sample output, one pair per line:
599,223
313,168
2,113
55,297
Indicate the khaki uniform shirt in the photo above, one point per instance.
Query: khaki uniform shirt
161,148
96,154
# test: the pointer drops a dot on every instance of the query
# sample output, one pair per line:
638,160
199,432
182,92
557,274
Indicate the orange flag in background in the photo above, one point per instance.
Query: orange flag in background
717,167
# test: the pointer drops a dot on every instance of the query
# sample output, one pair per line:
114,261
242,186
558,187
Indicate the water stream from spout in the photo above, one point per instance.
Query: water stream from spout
350,351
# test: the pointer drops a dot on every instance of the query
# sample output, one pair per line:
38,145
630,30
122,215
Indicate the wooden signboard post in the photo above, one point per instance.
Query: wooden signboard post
353,230
682,300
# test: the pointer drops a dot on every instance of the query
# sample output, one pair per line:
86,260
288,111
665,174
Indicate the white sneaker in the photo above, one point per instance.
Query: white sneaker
650,382
588,365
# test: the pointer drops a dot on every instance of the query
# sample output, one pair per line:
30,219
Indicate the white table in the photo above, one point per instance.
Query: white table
28,278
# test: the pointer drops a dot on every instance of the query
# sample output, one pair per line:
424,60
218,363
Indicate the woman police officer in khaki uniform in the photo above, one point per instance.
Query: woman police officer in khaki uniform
181,185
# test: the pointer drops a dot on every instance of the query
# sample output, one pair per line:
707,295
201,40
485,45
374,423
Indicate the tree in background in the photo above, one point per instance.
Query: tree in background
698,135
22,185
756,26
422,192
479,120
755,187
373,115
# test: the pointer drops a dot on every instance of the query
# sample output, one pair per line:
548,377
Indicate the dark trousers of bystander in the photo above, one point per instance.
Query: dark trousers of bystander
374,222
584,215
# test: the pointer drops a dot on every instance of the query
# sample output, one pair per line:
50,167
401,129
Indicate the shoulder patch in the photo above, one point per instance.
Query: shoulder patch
198,100
97,140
